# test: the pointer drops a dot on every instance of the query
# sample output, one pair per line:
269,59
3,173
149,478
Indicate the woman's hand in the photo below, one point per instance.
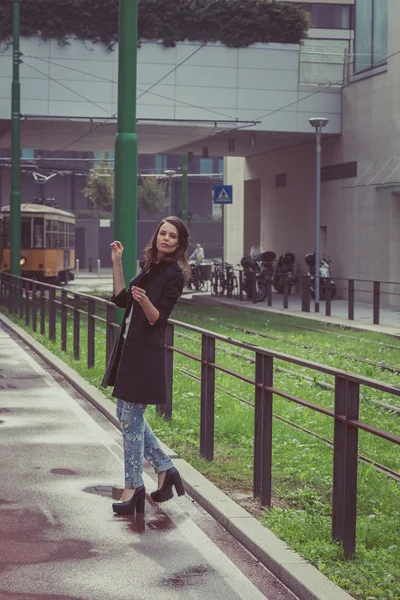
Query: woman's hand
138,294
116,253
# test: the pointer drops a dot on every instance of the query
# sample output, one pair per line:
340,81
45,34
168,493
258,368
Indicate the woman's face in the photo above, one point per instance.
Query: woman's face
167,239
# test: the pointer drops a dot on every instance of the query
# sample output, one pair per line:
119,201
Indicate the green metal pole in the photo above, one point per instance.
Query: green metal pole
126,145
15,198
185,169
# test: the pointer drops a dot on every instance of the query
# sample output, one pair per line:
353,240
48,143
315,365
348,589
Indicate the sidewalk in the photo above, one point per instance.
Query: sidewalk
389,317
60,459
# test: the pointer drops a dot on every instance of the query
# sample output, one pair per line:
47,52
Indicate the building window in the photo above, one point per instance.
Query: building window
331,16
340,171
28,153
206,166
371,34
160,163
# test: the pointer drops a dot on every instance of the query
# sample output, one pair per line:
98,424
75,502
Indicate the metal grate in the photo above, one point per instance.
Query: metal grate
341,171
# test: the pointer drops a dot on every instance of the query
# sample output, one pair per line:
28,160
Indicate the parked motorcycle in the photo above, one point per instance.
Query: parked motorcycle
285,270
260,266
325,276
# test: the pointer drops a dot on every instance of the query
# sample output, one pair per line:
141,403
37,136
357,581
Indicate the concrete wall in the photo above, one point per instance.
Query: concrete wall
80,80
234,172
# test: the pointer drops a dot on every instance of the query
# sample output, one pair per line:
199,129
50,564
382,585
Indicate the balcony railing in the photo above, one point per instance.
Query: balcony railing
320,67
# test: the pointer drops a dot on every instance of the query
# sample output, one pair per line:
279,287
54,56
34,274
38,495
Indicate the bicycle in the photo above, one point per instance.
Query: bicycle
196,279
232,284
218,280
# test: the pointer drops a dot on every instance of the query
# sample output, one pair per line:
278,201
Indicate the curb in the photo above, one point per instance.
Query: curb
304,580
334,321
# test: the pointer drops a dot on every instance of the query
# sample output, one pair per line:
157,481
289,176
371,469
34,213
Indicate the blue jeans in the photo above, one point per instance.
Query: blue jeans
139,442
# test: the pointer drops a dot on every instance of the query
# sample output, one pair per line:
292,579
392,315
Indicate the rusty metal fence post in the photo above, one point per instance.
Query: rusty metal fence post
12,294
27,303
254,287
305,293
207,397
34,306
269,291
285,292
20,283
64,317
376,306
241,285
165,410
42,311
328,299
52,314
262,478
91,311
77,325
110,318
345,463
351,300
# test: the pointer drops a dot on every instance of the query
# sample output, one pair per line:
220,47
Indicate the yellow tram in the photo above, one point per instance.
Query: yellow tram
47,242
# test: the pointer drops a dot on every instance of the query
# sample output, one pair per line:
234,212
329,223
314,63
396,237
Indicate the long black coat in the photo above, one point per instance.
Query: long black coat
136,369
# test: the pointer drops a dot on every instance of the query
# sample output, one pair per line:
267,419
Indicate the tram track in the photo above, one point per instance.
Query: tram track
347,336
377,466
312,380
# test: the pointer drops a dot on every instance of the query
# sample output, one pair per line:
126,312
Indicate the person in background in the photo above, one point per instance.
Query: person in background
197,254
136,367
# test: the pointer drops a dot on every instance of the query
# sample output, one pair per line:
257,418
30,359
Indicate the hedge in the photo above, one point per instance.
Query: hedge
235,23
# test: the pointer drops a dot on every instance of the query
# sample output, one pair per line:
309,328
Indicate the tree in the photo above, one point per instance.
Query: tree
152,196
100,188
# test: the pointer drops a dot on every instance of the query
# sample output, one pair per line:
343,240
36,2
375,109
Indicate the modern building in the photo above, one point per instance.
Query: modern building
251,106
360,190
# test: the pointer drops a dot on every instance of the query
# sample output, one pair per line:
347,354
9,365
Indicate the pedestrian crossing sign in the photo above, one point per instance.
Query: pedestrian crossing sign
223,194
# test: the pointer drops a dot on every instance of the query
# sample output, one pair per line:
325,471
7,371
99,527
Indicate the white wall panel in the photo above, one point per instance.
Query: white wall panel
215,83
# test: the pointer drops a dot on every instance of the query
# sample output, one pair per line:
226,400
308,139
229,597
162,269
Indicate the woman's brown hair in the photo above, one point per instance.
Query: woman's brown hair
179,255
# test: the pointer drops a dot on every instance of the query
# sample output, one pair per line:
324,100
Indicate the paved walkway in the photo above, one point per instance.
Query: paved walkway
59,539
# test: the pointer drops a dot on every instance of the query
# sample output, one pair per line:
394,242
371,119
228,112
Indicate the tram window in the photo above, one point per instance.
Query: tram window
71,235
4,237
51,233
61,241
26,241
38,240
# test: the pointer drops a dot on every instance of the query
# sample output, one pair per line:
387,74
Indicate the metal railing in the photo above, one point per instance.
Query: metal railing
233,286
322,67
36,301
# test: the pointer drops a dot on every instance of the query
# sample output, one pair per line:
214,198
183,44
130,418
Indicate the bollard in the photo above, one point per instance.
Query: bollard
98,267
77,267
90,264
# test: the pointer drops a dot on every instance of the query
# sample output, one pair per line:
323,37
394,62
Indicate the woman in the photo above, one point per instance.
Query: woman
137,366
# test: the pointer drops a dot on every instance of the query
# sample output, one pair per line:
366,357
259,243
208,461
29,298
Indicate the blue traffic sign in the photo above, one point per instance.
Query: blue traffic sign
223,194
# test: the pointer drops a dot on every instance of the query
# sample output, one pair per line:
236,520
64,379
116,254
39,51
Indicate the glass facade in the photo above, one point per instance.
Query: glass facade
331,16
371,33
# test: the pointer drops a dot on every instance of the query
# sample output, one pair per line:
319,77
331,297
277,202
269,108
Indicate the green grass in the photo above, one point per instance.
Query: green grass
302,465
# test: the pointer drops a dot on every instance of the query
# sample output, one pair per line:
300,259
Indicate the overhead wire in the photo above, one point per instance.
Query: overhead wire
106,120
211,135
51,62
66,87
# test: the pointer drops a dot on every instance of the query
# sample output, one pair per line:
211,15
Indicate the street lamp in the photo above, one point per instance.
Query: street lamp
318,123
170,173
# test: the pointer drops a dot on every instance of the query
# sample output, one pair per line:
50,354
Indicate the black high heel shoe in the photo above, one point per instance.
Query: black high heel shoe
172,479
135,504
